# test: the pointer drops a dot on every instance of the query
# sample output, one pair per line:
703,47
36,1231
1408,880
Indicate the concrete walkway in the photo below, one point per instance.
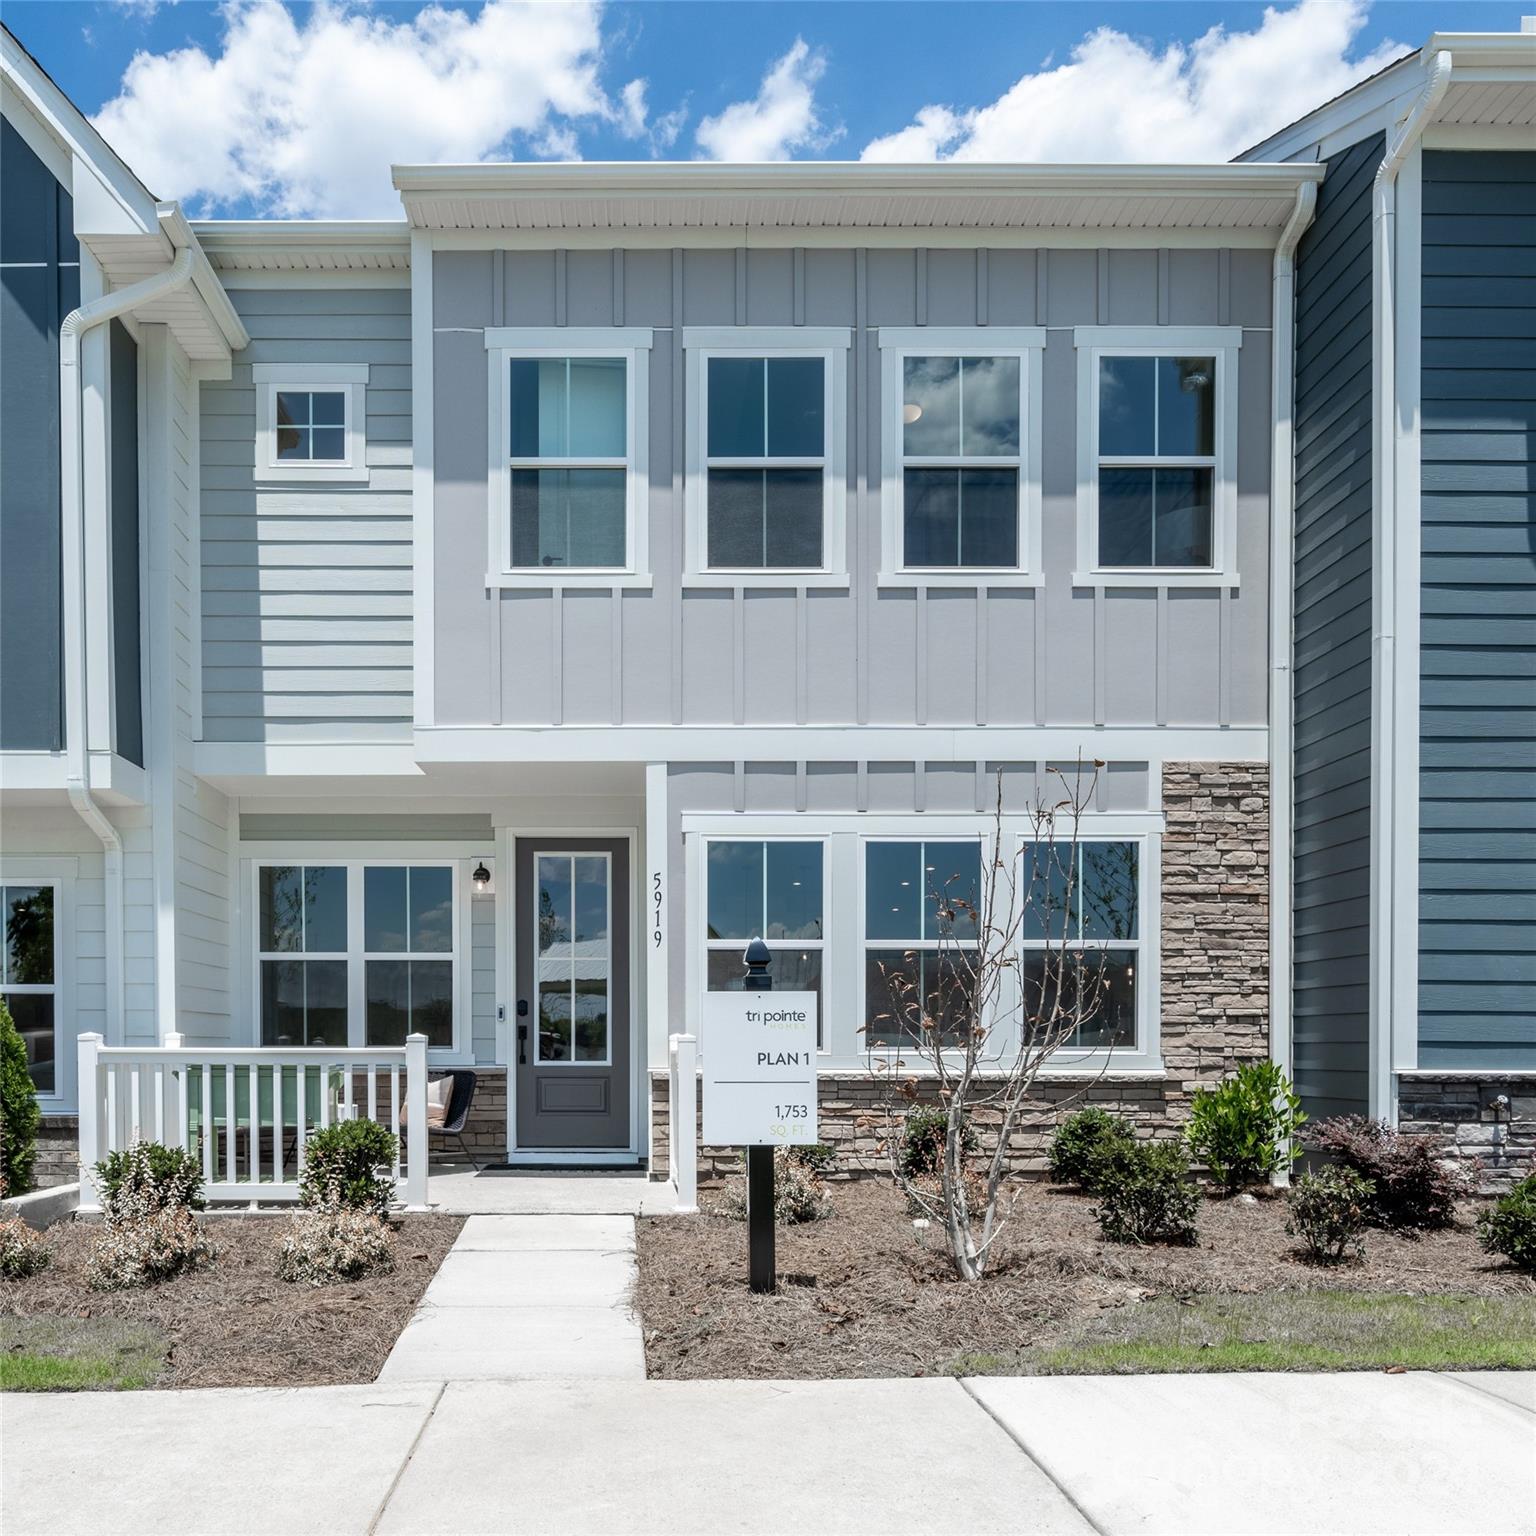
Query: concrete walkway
460,1191
521,1297
1413,1455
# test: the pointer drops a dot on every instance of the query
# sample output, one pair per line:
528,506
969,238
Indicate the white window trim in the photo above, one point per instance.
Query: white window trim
1094,342
830,344
352,380
461,1052
18,873
1027,343
707,946
843,836
533,947
633,345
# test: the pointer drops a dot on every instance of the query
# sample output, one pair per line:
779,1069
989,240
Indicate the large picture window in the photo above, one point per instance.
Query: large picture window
770,890
1081,937
920,936
357,954
29,975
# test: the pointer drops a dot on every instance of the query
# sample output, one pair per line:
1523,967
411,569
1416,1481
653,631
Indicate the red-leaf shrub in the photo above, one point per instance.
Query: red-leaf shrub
1413,1185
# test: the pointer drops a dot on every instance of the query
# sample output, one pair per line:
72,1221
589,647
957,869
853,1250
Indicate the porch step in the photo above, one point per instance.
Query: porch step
527,1297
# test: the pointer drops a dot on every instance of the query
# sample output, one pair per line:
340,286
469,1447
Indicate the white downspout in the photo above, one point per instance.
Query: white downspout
1382,1101
77,773
1282,524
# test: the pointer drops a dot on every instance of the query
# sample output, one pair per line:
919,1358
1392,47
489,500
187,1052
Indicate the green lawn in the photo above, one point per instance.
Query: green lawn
55,1354
1286,1331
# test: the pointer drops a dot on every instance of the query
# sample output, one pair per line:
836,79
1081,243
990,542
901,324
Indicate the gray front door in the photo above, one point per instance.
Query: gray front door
571,1046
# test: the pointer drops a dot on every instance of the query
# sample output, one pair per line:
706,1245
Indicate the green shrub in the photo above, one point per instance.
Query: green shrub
342,1167
1243,1129
816,1156
1509,1225
798,1192
19,1114
1082,1142
1328,1211
23,1252
331,1244
921,1149
1146,1194
1413,1185
162,1177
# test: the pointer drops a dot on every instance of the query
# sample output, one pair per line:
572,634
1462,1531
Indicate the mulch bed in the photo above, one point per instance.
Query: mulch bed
234,1323
862,1293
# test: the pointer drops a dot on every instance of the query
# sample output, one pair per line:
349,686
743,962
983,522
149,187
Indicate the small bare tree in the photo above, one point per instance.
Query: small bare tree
981,1014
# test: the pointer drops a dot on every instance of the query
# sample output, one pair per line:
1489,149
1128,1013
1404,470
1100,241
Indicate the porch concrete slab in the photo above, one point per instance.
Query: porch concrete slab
491,1343
308,1459
547,1234
584,1278
463,1192
1358,1453
1517,1387
711,1456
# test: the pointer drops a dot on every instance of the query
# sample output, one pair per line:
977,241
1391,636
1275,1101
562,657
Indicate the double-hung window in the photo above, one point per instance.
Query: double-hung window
29,975
960,451
773,890
921,929
765,453
1157,454
1081,932
568,456
359,953
310,421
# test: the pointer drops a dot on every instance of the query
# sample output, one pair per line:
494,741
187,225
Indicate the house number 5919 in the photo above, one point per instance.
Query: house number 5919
656,910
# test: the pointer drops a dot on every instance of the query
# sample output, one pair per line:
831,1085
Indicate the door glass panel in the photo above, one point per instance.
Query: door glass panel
574,968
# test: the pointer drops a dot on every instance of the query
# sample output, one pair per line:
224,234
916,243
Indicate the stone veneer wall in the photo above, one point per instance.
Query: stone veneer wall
58,1152
1215,986
1497,1145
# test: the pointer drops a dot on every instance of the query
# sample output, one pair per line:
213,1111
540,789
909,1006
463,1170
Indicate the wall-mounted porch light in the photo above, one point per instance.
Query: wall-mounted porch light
481,879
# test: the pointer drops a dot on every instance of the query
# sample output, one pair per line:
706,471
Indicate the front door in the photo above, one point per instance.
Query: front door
571,1044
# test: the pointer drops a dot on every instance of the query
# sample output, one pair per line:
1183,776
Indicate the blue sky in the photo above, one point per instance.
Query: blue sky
253,107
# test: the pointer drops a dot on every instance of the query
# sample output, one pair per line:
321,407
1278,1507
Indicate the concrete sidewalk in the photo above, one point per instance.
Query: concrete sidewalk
1414,1455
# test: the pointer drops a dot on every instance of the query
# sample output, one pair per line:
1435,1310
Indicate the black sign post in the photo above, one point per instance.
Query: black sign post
760,1257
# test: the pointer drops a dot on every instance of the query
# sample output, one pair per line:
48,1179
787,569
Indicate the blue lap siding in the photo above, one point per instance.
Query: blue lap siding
1477,721
1332,640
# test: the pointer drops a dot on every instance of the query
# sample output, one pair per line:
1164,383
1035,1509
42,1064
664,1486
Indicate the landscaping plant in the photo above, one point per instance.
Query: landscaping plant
1081,1144
23,1252
1412,1184
982,1025
19,1114
345,1165
1509,1225
143,1241
1146,1195
799,1194
1244,1129
921,1150
1328,1211
161,1176
333,1243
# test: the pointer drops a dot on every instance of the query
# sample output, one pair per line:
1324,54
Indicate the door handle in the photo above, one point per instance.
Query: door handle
522,1043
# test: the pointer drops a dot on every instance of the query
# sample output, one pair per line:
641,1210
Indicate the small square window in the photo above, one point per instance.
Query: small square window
310,421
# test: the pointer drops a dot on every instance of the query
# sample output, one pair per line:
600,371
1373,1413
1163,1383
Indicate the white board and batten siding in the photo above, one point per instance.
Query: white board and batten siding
307,588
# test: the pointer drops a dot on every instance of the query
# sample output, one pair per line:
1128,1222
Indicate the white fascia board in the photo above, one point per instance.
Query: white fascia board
220,310
1400,78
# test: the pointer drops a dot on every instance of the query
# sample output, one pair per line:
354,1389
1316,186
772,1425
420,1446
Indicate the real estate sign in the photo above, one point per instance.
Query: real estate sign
759,1058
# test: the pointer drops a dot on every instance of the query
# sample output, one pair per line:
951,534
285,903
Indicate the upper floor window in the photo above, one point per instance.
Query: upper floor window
568,460
961,451
1157,454
29,975
765,460
310,421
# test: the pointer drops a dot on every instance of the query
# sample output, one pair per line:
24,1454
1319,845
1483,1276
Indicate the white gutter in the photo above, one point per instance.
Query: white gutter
1381,1100
1282,521
77,776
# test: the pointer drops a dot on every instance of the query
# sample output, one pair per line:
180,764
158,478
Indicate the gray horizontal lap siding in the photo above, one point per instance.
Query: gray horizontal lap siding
893,655
1332,640
307,588
1477,720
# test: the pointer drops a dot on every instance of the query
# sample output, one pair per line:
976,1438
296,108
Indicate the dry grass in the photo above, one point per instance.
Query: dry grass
235,1324
863,1294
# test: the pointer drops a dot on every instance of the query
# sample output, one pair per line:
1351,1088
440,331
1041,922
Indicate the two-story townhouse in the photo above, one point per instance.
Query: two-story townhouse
1412,726
609,564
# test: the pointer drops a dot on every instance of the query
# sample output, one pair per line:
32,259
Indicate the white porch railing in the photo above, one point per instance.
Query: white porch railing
683,1120
247,1114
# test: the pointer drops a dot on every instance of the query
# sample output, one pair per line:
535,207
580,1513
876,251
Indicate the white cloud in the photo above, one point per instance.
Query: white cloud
1119,99
632,118
304,117
779,120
